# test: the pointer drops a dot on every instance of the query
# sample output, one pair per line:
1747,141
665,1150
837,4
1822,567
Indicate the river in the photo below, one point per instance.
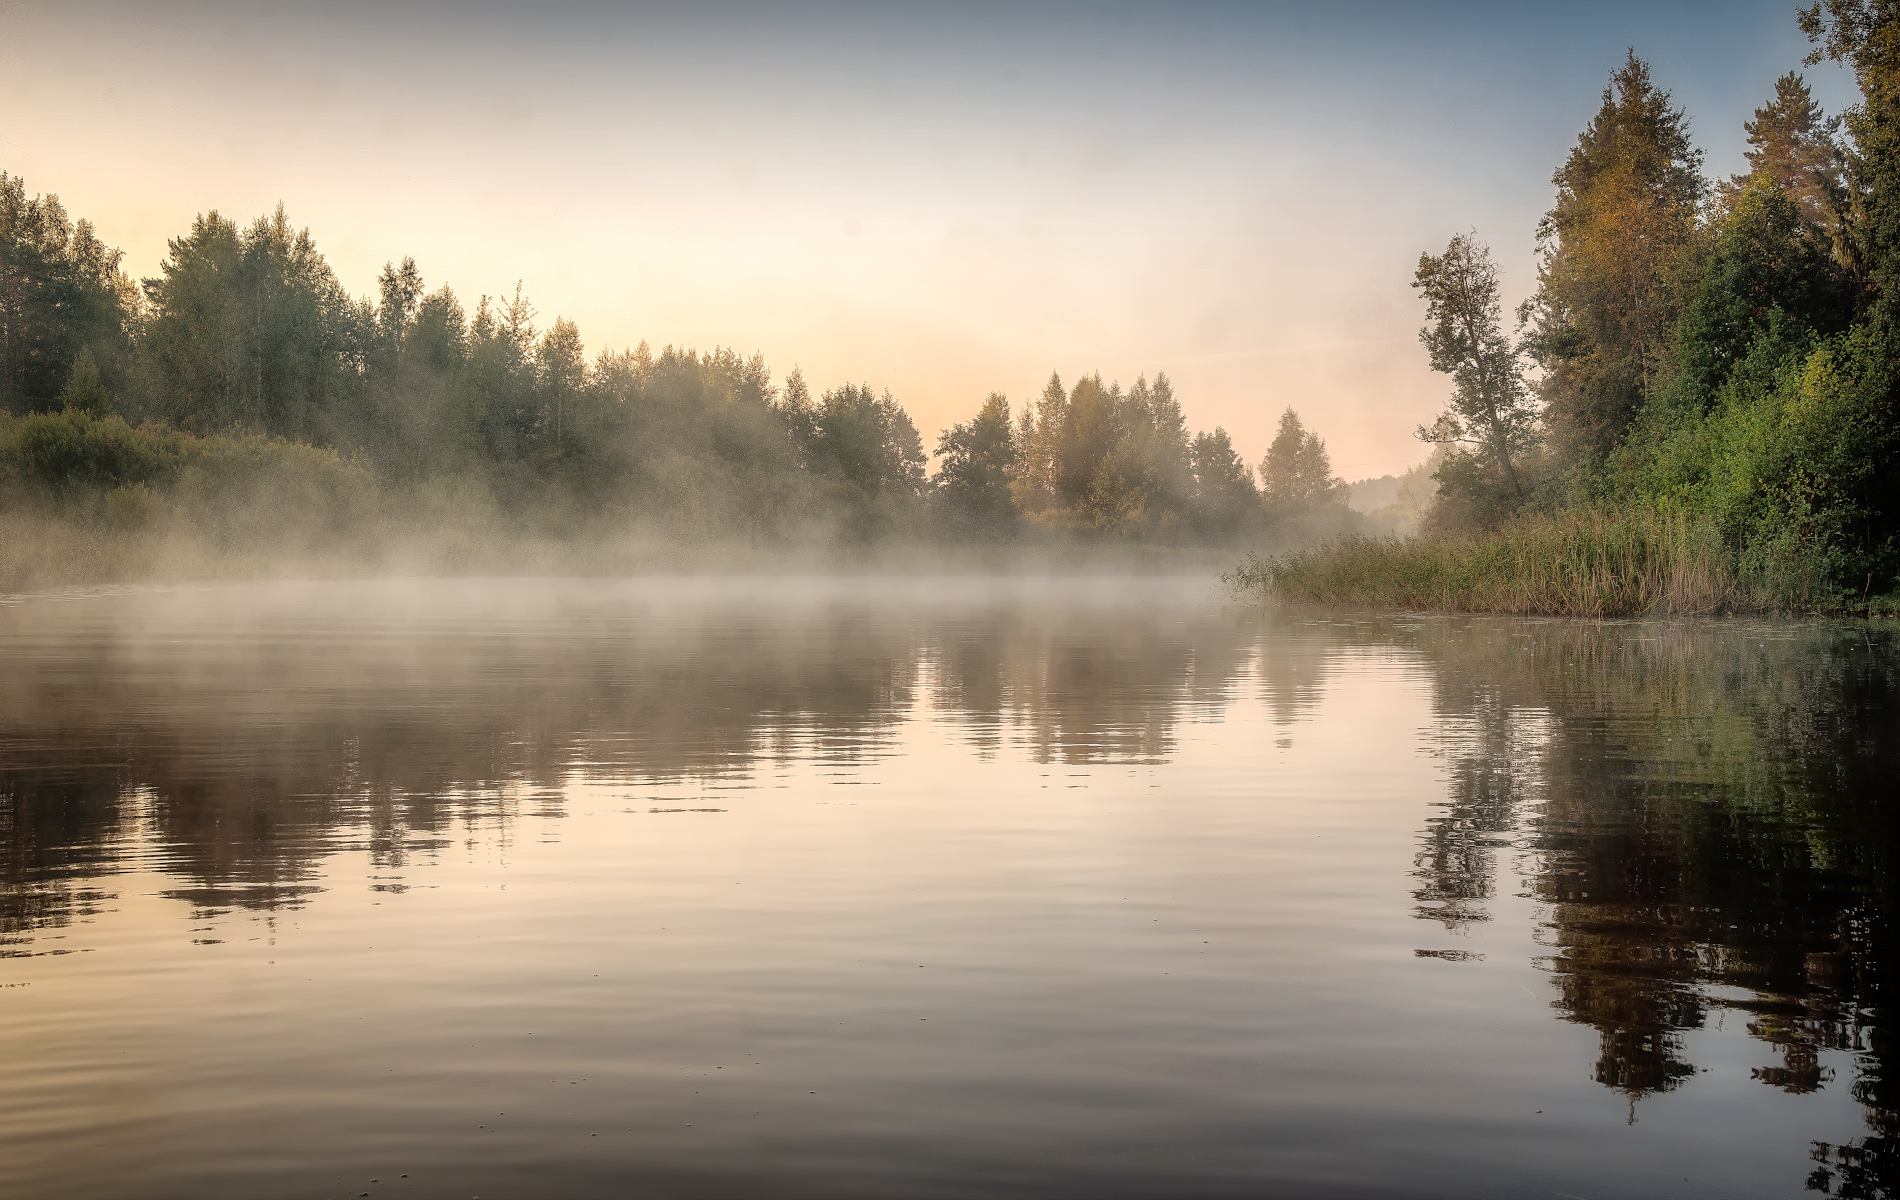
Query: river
935,887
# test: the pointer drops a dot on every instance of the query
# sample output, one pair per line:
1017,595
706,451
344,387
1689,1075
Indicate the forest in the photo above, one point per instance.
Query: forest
1696,411
240,411
1691,412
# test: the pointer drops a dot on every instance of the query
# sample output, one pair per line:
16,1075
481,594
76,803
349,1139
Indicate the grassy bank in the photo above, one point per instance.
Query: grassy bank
1574,564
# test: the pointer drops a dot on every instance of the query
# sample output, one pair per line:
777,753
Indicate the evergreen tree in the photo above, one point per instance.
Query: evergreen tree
1155,437
413,351
1296,475
561,368
1038,443
1091,427
495,390
400,289
1609,283
796,410
439,334
1796,146
1132,467
1865,35
85,392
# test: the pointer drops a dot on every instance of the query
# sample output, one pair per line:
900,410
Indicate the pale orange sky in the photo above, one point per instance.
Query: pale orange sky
942,203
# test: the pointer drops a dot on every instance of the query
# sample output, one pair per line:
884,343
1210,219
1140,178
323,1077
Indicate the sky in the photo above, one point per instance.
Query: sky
942,201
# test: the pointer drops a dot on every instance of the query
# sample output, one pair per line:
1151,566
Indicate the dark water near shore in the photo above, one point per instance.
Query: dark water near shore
787,888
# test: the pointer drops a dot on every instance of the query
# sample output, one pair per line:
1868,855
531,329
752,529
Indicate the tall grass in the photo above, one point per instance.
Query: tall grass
1573,564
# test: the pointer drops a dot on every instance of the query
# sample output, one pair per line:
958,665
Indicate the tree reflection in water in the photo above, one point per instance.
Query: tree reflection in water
240,742
1700,810
1706,818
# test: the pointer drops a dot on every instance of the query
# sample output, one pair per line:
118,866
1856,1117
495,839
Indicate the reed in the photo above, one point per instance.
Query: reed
1587,563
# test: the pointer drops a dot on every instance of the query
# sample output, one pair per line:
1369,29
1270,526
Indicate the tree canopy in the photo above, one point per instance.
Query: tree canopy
245,331
1724,356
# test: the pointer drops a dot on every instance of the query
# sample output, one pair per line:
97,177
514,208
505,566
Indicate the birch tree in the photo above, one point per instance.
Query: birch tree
1490,406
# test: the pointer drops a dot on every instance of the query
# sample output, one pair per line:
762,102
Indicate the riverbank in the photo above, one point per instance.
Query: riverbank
1588,563
88,501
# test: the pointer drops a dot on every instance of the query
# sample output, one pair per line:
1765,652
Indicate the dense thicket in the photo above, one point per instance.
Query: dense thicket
1714,369
245,338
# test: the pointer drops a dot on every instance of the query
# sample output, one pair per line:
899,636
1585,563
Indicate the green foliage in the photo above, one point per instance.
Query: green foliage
1225,502
1802,475
1463,334
61,293
1297,474
1776,500
1767,258
74,449
1472,494
1579,564
84,390
972,484
1614,246
1796,146
1774,424
1865,35
1102,462
867,449
1144,487
250,330
234,490
246,354
1717,380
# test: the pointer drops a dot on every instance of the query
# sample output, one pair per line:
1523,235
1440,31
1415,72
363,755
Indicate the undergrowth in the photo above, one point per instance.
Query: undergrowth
1586,563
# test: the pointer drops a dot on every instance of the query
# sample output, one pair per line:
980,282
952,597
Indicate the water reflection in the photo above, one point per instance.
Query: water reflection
1705,813
236,742
1696,814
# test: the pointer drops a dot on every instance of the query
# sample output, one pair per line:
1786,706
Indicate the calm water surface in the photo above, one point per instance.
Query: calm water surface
938,888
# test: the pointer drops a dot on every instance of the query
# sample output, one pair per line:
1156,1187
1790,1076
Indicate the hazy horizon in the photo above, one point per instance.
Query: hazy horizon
942,203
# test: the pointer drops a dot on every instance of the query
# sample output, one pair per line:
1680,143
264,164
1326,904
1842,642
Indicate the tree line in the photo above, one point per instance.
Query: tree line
246,338
1718,352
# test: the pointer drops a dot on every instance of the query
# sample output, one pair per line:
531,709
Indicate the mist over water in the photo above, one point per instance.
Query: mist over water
936,887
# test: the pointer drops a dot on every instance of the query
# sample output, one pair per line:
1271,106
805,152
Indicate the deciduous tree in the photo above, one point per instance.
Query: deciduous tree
61,291
972,484
1463,334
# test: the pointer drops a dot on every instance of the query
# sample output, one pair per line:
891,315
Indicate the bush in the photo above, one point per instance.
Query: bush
74,449
1797,485
244,491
